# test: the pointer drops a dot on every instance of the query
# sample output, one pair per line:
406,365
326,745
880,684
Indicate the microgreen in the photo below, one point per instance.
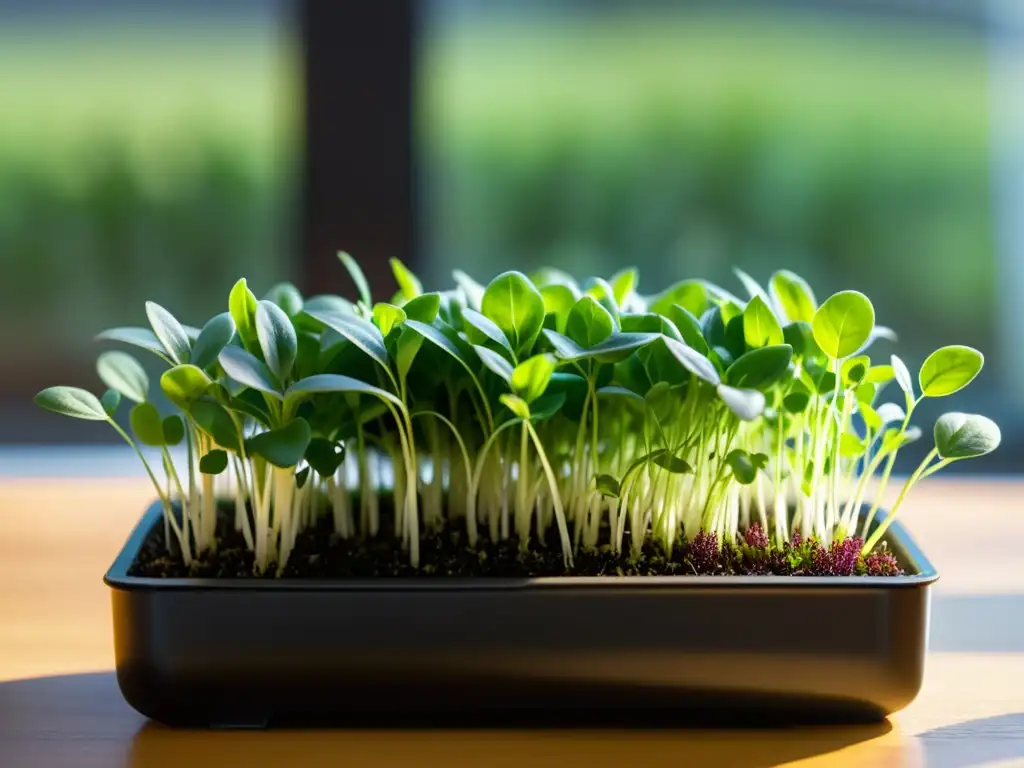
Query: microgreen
533,407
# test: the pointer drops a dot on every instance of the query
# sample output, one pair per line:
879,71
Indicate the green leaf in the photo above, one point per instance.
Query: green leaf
746,404
691,295
248,370
242,307
147,424
437,337
110,401
871,418
516,307
184,384
546,406
301,477
495,363
216,422
600,289
216,334
123,373
623,283
865,393
843,324
949,369
480,328
173,429
895,438
801,338
760,368
423,308
72,401
797,400
693,361
742,465
284,447
473,291
277,339
793,296
559,299
387,316
530,378
408,285
607,486
213,463
409,343
515,404
358,278
325,456
759,460
965,435
689,328
672,463
854,369
170,332
328,304
330,382
589,323
362,333
137,337
284,295
890,412
879,374
902,376
850,446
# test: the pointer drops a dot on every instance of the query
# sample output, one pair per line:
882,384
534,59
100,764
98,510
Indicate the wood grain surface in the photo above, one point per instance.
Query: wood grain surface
59,703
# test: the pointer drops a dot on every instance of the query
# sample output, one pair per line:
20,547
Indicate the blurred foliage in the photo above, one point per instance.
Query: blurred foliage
854,152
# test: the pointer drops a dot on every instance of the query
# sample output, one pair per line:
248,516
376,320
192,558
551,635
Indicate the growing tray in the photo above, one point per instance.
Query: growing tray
245,652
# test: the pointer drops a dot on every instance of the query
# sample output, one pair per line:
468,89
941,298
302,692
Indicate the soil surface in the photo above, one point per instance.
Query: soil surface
319,553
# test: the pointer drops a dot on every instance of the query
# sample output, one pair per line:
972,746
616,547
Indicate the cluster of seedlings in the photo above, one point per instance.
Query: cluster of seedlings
535,425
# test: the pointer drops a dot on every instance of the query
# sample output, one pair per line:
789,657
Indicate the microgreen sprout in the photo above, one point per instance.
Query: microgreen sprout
534,408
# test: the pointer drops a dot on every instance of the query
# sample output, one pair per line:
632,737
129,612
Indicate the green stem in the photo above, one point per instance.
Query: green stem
884,525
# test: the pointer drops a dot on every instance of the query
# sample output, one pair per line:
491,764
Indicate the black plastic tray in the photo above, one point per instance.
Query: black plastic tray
238,652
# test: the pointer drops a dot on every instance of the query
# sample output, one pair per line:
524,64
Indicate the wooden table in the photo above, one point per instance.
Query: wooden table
59,703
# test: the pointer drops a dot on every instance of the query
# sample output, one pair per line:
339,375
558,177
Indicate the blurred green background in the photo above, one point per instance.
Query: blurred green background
152,154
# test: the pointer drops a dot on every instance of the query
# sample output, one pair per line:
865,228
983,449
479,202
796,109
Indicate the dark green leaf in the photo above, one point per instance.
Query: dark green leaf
147,424
216,422
742,465
546,406
174,429
607,486
325,456
284,447
673,464
110,401
689,328
286,296
277,339
213,463
248,370
215,335
760,368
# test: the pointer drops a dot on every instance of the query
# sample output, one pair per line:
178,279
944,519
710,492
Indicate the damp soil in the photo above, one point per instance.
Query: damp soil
320,554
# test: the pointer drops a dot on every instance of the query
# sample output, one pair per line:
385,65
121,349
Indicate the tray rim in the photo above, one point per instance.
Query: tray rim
899,539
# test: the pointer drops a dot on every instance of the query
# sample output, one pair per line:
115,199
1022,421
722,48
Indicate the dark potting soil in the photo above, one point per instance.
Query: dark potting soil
319,553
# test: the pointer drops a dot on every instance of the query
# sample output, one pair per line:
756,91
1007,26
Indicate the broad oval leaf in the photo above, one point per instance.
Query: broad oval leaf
248,370
213,463
423,308
949,369
530,378
854,369
965,435
546,406
843,324
242,308
742,466
672,463
362,333
793,296
287,297
184,384
589,323
760,368
801,338
215,335
515,404
559,299
689,328
693,361
284,447
746,404
879,374
110,401
174,429
170,332
436,336
691,295
71,401
325,456
124,374
760,326
516,307
277,339
147,424
607,486
143,338
213,419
